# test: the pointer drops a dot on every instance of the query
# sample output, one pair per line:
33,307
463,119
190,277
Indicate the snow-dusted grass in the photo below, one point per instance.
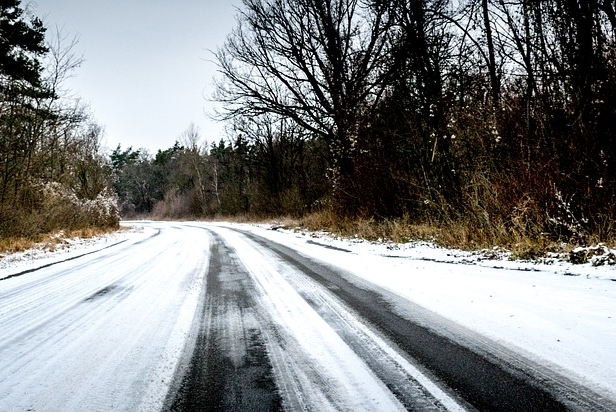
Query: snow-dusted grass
45,253
51,207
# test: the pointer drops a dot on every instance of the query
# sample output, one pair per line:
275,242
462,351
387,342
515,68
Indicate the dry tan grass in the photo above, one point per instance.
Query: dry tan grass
50,241
12,245
461,235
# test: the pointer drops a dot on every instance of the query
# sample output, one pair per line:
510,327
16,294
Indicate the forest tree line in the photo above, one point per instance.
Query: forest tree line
497,115
282,175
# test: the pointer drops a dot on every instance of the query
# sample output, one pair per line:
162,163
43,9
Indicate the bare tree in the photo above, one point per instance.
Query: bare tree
494,81
194,155
321,63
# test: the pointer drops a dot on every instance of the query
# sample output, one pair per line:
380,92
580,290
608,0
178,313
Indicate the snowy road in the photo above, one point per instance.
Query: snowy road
192,316
101,332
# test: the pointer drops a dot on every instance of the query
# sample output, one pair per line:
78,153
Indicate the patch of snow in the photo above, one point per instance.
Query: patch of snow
105,331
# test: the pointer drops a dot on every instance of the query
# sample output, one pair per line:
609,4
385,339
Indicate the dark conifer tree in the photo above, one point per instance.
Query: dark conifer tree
22,44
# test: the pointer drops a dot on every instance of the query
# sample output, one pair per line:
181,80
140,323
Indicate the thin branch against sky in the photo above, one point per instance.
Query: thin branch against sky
147,73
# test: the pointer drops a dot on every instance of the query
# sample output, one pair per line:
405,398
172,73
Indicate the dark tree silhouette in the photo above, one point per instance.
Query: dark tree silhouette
320,63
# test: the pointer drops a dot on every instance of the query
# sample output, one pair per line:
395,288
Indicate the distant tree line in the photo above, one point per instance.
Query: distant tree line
53,174
275,172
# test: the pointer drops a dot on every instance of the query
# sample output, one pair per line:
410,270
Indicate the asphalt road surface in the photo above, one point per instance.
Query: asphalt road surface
200,317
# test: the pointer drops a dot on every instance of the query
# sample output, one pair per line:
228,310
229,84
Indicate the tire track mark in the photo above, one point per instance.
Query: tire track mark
229,368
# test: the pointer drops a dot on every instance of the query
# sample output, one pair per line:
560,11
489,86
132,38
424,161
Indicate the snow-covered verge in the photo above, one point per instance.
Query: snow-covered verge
597,261
69,248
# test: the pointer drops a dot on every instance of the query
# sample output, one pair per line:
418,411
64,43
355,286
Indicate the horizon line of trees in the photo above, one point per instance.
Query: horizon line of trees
282,175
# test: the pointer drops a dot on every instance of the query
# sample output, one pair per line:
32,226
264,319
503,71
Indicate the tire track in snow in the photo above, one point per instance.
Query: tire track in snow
229,368
322,365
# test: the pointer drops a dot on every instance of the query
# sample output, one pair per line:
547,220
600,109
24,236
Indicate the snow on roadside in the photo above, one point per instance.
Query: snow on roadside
13,263
601,259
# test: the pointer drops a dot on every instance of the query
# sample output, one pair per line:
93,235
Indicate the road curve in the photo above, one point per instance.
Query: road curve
195,316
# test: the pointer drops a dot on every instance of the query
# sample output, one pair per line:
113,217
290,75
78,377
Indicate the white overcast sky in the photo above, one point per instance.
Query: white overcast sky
147,72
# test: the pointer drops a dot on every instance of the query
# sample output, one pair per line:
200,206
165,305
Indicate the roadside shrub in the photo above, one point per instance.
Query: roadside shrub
48,207
59,207
174,206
